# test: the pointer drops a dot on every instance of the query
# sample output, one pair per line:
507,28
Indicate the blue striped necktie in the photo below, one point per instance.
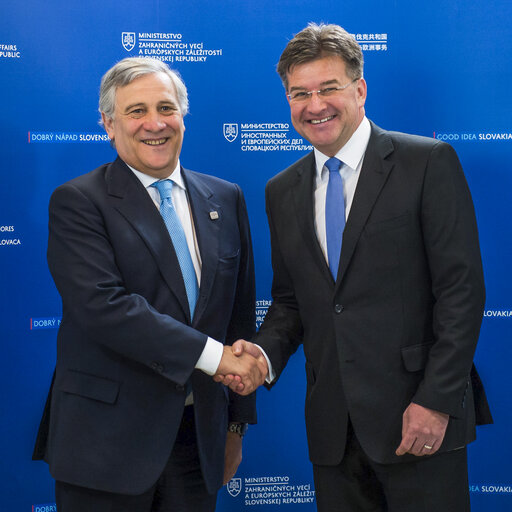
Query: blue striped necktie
334,214
179,241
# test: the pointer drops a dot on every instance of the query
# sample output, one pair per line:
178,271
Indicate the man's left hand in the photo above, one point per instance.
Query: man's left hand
232,456
423,430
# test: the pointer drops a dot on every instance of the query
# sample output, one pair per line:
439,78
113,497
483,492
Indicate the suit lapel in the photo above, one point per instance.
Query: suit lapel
304,211
374,173
202,203
131,199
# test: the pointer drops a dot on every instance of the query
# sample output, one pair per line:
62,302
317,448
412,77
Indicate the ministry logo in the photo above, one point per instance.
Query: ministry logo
128,40
230,131
234,487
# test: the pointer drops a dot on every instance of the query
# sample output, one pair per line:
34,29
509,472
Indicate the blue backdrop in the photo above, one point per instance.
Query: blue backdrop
440,69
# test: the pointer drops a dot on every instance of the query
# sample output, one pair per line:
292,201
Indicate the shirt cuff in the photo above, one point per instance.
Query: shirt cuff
271,375
210,358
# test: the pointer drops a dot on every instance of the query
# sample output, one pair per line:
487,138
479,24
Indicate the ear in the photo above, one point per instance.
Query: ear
361,92
108,123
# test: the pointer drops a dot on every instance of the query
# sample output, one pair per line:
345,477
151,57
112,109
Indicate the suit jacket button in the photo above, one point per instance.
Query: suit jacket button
338,308
157,367
179,387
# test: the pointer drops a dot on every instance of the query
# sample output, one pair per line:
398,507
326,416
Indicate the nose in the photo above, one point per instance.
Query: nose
316,103
154,122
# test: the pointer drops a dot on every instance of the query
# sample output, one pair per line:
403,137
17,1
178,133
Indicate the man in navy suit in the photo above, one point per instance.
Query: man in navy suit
387,306
134,420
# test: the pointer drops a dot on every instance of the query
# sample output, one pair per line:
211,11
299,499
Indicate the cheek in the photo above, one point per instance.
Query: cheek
131,127
296,113
352,104
178,125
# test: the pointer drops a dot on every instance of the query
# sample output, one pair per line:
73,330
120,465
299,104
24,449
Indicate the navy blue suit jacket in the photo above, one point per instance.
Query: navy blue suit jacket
127,345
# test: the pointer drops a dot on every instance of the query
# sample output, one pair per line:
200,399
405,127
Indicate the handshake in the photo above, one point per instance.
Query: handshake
243,367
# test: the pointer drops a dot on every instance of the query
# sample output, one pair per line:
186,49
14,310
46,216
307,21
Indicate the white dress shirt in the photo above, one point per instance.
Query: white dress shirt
210,358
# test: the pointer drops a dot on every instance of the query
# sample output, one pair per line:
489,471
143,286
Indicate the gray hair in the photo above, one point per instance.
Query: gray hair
126,71
317,41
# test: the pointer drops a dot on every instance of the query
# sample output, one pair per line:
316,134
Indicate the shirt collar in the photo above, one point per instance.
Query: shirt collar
352,152
148,180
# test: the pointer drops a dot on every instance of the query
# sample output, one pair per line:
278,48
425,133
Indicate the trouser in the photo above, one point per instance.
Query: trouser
437,483
180,488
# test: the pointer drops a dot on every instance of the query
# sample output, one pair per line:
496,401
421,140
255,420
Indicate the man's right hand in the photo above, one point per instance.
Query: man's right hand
243,367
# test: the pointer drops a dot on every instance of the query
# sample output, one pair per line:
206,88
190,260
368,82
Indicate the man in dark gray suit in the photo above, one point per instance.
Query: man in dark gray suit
377,272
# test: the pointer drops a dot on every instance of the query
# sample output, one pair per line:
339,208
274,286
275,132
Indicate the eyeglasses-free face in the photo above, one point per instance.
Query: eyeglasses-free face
147,126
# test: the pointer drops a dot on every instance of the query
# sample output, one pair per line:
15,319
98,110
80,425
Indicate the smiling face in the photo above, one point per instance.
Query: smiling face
147,126
326,122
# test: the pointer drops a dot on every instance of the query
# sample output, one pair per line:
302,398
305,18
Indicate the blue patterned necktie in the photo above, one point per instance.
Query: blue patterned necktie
179,241
334,214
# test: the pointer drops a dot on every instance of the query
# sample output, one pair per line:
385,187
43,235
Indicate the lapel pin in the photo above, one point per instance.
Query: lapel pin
214,215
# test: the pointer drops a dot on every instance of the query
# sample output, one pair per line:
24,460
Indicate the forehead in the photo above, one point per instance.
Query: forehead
150,88
320,70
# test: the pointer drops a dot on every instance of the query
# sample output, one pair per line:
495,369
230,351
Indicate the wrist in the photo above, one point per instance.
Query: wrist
237,428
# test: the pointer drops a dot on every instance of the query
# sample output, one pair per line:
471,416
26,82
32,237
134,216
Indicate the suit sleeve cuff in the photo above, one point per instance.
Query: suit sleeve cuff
271,375
209,359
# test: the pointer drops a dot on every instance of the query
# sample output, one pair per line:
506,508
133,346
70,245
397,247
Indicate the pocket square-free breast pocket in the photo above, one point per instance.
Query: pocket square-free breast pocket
388,224
228,262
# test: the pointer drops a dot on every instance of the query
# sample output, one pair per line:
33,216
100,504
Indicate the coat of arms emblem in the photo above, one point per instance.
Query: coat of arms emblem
230,131
234,487
128,40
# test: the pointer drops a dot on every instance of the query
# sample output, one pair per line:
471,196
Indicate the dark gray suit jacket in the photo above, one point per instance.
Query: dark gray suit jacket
402,320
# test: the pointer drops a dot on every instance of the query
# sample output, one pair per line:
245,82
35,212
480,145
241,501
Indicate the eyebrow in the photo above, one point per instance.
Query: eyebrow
129,107
141,104
323,84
